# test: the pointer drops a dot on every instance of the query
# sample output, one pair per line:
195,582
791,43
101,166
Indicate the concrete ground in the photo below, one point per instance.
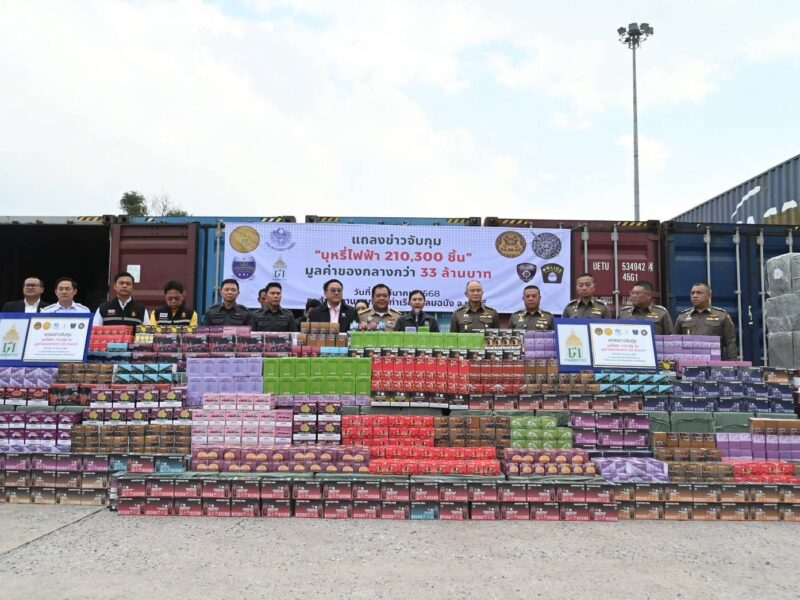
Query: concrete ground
81,552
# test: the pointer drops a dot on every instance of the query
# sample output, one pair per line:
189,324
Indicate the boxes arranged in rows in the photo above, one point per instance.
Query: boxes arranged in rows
749,446
27,377
610,430
139,438
54,479
424,460
37,431
398,339
541,463
282,459
317,376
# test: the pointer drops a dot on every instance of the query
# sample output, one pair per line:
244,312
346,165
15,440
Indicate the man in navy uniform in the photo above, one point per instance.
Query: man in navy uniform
228,312
273,317
123,309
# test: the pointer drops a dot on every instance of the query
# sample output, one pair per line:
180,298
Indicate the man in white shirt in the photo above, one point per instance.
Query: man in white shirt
32,291
66,289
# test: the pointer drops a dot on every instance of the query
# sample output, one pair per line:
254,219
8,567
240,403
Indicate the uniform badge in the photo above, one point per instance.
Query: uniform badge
552,273
112,311
133,313
526,271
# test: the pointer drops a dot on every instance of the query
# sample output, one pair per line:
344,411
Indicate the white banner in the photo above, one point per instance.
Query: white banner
623,345
438,260
57,339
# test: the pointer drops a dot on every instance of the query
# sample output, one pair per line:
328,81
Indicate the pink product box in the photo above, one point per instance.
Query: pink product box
17,420
227,401
585,437
583,420
283,432
67,420
4,420
610,438
216,417
233,416
4,438
44,462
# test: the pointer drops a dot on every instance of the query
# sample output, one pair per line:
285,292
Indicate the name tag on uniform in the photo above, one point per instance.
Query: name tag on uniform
166,315
597,311
112,311
486,318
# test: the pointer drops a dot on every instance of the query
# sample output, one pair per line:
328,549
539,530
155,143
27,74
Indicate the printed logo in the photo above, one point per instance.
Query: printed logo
279,268
245,239
280,239
47,325
608,331
552,273
546,245
644,332
81,325
510,244
598,331
526,271
243,267
73,325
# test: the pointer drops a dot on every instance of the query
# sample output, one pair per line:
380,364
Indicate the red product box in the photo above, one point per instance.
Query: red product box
508,491
395,491
246,489
307,490
337,490
276,490
424,491
599,492
395,511
542,493
575,512
366,509
161,488
159,507
515,511
131,488
308,509
189,507
366,490
276,508
572,492
142,464
131,506
337,509
454,492
245,507
549,511
453,511
485,511
216,507
483,492
604,512
216,489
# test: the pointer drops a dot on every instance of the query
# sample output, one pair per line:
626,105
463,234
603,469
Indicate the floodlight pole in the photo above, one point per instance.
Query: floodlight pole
632,37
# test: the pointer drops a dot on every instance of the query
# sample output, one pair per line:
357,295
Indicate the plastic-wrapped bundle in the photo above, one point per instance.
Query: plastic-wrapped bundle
783,274
782,313
784,350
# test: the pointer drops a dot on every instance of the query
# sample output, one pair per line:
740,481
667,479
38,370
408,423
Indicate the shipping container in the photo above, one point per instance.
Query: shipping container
435,221
755,201
53,247
616,253
731,259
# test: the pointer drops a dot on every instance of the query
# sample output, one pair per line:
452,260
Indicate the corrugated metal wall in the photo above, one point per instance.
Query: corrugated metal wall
761,199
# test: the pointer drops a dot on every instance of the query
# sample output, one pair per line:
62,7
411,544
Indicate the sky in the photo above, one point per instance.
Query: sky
430,108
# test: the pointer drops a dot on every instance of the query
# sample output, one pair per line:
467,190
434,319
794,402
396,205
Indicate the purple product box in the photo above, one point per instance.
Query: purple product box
731,388
584,437
608,421
637,421
683,389
636,438
583,420
706,389
757,390
611,437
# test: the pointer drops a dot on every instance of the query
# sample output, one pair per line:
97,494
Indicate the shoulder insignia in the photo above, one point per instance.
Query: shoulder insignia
364,311
687,311
394,312
545,312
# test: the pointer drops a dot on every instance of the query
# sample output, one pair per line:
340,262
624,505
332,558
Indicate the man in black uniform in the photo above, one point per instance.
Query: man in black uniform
532,318
274,318
122,310
32,302
474,315
417,317
644,310
228,312
175,312
334,310
586,306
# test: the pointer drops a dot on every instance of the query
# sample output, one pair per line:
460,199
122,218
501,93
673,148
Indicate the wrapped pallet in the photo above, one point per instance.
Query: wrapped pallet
783,274
782,313
784,349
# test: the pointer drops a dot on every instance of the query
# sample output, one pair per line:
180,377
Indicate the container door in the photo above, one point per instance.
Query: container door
157,254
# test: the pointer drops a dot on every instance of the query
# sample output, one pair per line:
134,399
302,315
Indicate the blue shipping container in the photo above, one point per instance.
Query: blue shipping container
766,195
696,253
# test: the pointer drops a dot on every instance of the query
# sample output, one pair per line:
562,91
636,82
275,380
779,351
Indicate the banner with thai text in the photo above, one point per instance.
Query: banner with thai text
440,261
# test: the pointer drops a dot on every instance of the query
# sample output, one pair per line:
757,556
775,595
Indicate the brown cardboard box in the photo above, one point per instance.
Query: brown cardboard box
648,511
677,511
704,511
734,512
764,512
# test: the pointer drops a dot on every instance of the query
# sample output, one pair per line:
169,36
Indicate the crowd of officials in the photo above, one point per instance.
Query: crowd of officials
701,319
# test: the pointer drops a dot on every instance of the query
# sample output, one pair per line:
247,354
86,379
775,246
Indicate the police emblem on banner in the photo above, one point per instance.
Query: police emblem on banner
546,245
552,273
280,239
510,244
526,271
243,267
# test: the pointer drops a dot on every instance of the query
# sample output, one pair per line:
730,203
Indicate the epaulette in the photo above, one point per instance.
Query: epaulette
395,313
363,311
661,307
719,309
545,312
688,310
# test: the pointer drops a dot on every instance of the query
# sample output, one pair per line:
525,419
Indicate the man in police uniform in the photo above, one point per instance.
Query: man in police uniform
274,318
704,319
228,312
643,310
474,315
122,310
417,317
586,306
532,318
380,316
174,312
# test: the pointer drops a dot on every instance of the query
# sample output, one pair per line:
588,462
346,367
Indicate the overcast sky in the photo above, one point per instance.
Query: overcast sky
429,108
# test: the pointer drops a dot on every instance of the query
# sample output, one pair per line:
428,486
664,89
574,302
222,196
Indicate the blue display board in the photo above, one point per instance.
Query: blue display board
44,339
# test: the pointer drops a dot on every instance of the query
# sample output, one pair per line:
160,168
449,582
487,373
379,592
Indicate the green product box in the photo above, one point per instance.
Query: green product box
314,386
347,386
315,367
550,445
392,339
449,341
519,434
271,367
286,367
302,368
363,386
423,339
564,444
435,340
519,443
330,367
410,339
330,387
547,422
271,385
534,444
347,367
471,341
301,387
358,340
286,387
549,435
363,367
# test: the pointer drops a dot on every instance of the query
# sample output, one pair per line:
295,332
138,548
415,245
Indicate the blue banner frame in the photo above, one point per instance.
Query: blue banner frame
28,316
585,322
